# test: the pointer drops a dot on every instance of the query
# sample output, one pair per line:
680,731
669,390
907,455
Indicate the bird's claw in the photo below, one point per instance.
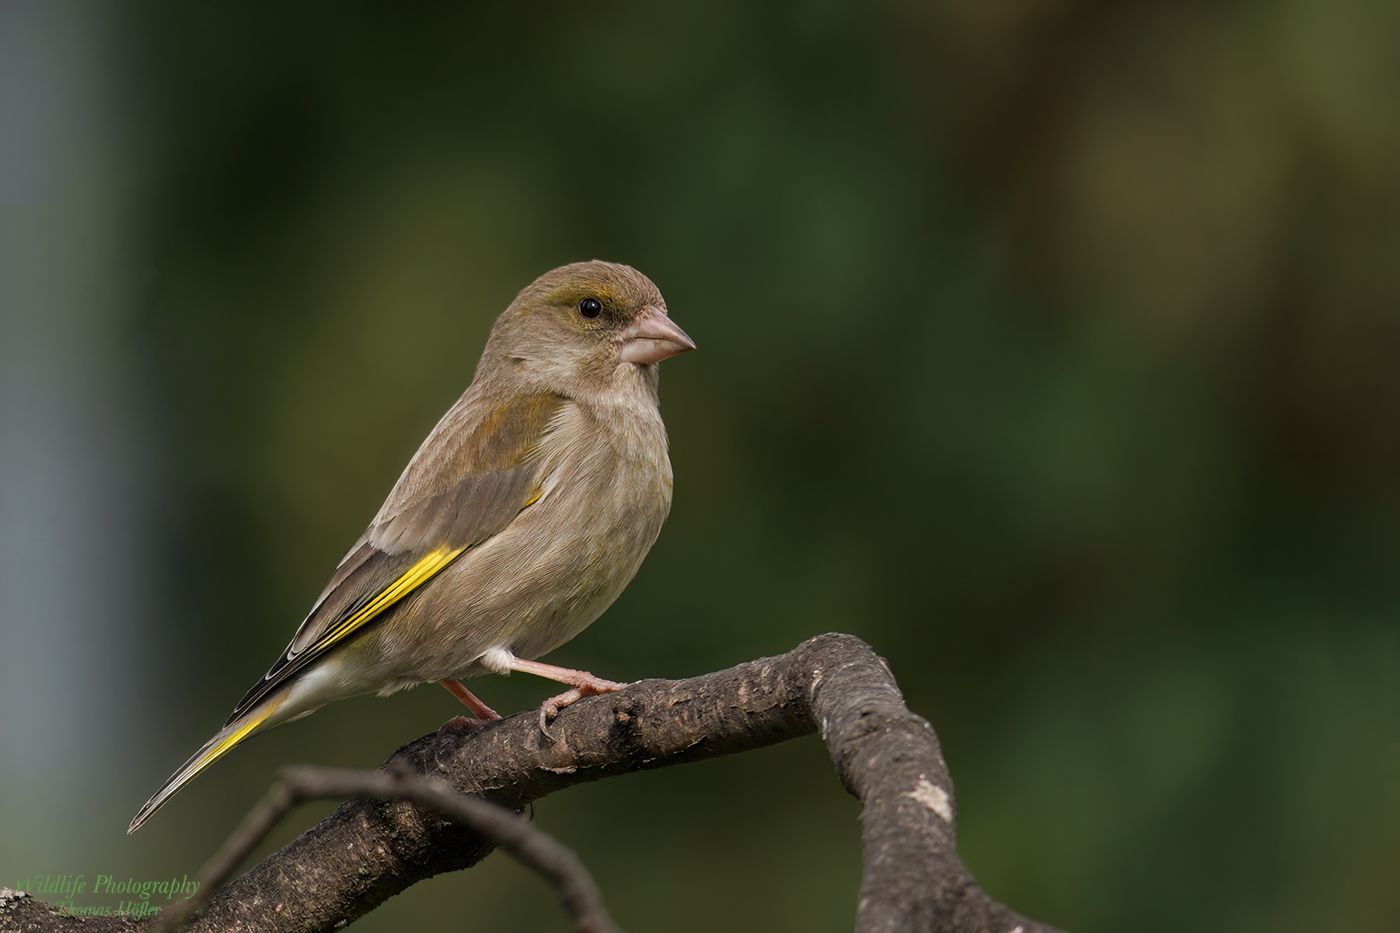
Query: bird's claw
591,687
454,726
551,707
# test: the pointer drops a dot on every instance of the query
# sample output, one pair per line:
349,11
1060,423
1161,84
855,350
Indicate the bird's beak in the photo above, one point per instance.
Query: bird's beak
652,337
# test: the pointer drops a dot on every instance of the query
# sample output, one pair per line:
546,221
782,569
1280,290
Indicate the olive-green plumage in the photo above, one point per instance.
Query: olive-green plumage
519,520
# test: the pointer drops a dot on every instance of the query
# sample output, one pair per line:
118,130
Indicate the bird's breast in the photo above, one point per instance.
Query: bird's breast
605,490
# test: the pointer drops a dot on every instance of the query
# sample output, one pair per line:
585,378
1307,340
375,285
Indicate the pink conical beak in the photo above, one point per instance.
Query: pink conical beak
653,337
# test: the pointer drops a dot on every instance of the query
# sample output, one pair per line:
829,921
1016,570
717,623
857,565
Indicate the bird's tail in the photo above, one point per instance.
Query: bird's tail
220,745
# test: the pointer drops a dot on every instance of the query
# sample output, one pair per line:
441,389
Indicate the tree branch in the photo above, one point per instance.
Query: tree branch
888,758
539,851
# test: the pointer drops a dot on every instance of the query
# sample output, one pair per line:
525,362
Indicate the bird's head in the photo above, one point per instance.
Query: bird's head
587,323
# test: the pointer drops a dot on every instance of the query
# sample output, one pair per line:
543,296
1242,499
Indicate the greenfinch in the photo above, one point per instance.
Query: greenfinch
519,520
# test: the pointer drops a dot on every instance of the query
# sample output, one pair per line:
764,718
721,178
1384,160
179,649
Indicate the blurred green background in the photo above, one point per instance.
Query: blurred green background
1051,347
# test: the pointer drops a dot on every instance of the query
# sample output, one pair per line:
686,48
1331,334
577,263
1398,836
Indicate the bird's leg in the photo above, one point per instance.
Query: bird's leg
457,724
581,683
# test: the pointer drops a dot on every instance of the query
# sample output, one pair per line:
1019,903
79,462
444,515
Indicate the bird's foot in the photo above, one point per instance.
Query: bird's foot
459,724
584,685
454,726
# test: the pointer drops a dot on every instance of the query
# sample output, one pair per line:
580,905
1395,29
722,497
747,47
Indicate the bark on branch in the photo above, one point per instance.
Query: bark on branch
887,757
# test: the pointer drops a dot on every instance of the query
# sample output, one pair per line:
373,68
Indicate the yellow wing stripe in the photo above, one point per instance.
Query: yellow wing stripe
411,579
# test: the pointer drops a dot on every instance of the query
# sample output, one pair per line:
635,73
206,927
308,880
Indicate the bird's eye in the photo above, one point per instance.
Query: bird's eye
590,307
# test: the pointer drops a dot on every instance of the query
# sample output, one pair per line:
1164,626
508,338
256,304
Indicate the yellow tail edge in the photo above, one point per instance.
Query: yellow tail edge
216,748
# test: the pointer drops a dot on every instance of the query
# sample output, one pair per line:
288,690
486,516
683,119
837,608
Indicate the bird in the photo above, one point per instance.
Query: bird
522,516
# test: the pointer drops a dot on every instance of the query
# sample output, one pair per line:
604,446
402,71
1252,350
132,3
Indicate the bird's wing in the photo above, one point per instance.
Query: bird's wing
470,479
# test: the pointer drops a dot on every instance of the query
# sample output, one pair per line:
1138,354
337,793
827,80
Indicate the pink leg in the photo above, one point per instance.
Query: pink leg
478,708
582,684
459,724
